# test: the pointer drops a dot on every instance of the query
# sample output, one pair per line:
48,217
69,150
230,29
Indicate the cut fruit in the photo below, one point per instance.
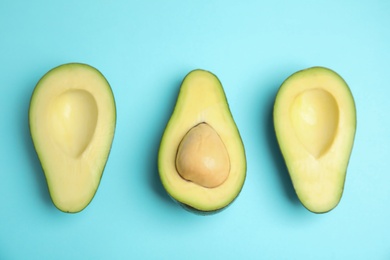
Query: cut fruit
72,120
201,160
315,123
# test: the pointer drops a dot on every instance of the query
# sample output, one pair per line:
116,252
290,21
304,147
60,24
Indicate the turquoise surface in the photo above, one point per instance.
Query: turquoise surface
145,48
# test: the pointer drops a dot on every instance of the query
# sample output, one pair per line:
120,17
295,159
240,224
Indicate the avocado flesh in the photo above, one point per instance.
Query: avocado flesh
201,100
72,121
315,123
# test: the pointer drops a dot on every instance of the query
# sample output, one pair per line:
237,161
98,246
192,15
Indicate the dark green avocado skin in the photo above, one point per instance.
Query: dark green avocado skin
202,212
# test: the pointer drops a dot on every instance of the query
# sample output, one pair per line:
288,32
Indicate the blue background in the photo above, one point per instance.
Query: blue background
145,48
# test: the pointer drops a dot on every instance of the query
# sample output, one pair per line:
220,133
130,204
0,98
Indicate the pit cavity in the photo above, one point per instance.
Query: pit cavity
73,117
315,116
202,157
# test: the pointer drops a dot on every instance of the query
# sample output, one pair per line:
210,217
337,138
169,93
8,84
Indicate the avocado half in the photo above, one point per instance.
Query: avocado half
201,160
315,124
72,119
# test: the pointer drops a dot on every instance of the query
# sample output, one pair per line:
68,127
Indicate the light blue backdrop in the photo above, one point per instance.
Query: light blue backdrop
145,48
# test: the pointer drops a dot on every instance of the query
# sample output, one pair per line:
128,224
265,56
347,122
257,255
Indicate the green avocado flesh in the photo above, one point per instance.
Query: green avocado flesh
201,160
315,123
72,121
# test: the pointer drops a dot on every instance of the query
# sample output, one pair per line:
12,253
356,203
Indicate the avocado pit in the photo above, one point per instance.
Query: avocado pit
202,157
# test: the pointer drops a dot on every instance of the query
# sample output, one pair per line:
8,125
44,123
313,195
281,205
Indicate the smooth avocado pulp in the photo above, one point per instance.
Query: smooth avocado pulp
72,121
314,116
201,159
315,123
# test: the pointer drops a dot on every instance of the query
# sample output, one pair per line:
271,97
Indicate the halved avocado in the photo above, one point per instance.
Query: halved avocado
315,123
72,121
201,160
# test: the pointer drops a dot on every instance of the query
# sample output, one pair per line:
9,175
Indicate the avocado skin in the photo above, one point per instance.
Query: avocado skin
202,212
35,148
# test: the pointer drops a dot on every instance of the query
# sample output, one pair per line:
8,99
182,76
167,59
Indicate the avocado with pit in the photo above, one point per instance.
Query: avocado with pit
72,120
315,123
201,160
